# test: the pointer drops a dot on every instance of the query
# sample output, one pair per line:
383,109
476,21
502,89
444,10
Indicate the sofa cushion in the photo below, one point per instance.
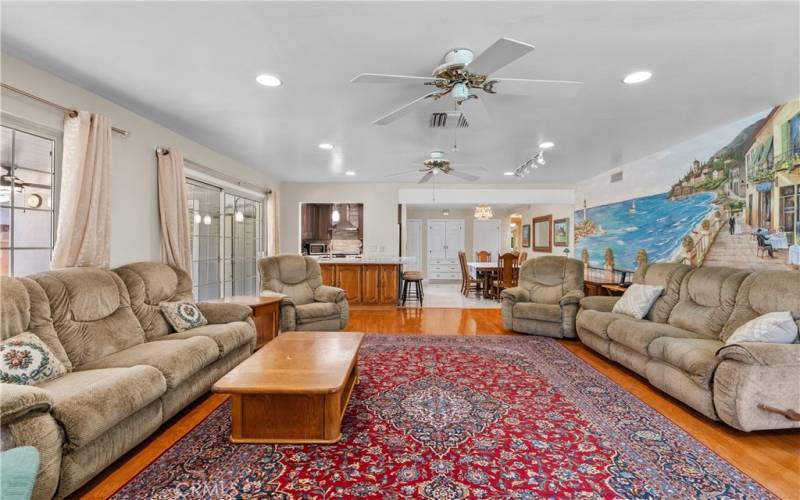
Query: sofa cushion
597,322
541,312
88,403
666,274
695,357
149,284
228,336
316,311
708,295
25,359
91,312
764,292
637,335
177,360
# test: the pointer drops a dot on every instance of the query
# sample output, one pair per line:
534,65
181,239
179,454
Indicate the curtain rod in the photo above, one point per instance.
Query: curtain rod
71,112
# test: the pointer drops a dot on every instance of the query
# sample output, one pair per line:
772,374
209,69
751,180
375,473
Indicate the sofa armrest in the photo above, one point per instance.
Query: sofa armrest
16,401
571,297
516,294
759,353
599,303
219,313
325,293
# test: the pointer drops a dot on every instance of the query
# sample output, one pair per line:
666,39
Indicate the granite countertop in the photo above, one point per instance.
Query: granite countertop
366,259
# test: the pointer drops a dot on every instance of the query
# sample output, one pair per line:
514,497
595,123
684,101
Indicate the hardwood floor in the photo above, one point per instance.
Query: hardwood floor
771,458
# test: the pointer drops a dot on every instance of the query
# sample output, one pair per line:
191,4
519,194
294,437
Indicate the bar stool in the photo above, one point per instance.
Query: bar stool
416,278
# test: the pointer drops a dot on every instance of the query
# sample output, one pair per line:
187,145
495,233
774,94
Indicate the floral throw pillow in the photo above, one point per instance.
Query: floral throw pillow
26,360
183,315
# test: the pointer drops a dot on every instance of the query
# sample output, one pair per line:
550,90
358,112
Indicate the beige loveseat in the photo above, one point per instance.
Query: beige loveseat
306,303
127,371
546,300
680,345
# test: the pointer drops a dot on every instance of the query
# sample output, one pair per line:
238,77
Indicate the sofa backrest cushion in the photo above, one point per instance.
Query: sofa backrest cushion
149,284
708,295
667,275
763,292
91,312
24,308
550,277
293,275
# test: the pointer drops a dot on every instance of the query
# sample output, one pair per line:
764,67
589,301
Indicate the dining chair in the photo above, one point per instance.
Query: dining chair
507,273
523,257
468,283
483,256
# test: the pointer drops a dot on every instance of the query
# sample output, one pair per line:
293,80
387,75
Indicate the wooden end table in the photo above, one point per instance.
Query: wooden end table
266,314
294,390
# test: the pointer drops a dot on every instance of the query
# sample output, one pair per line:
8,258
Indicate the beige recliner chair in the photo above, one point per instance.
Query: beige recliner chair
546,300
306,303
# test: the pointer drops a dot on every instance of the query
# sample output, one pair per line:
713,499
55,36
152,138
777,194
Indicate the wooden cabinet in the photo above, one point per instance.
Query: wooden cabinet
370,284
348,278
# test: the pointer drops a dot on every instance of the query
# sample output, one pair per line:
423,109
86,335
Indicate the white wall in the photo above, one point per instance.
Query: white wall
558,211
134,213
381,232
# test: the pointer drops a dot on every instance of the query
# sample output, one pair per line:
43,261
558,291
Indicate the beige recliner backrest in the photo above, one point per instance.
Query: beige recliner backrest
293,275
667,275
549,278
764,292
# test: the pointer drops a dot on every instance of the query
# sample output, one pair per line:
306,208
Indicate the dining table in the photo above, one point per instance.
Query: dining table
483,272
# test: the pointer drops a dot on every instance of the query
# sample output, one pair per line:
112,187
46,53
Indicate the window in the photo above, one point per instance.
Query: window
27,202
227,236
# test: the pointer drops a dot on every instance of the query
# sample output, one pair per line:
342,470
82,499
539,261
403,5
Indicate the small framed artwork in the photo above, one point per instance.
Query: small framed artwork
542,234
561,232
526,235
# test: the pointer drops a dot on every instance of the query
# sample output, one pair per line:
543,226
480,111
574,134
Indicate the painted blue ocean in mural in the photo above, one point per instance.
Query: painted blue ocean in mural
655,223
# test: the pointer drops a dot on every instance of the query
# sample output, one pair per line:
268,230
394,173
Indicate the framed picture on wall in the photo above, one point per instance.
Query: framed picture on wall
561,232
526,235
542,234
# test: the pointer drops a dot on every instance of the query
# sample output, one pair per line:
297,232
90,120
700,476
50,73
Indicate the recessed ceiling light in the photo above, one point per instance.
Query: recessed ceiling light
349,172
508,173
269,80
325,145
637,77
547,145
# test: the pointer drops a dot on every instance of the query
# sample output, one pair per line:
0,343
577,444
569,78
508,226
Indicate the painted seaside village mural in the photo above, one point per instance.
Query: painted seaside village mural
701,201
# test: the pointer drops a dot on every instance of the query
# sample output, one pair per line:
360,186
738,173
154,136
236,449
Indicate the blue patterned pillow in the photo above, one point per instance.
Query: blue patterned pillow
26,360
183,315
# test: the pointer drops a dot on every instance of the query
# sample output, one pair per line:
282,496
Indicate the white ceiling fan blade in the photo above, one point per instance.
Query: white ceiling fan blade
425,178
402,110
556,89
406,172
499,54
462,175
475,111
381,78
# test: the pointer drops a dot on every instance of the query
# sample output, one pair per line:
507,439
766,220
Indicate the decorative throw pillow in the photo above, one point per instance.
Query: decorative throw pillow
26,360
183,315
637,300
774,328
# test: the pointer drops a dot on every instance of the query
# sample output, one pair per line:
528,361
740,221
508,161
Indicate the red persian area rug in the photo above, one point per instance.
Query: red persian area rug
454,417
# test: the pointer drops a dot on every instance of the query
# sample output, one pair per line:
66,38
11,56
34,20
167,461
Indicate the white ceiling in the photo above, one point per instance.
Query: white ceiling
192,67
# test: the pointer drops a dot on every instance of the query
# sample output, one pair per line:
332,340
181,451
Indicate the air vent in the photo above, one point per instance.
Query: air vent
616,177
448,120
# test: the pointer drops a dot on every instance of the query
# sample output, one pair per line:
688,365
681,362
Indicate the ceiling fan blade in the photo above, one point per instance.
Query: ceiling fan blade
405,172
499,54
556,89
402,110
425,178
381,78
475,111
462,175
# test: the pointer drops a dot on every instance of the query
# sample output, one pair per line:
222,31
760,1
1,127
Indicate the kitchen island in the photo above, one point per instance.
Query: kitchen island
366,280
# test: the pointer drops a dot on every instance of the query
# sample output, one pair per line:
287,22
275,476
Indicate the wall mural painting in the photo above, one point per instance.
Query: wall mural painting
699,201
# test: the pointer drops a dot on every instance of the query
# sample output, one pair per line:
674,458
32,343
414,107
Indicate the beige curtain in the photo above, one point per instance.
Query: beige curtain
84,218
273,242
173,210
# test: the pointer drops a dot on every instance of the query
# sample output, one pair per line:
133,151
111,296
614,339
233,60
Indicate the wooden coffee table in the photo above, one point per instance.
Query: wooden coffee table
293,390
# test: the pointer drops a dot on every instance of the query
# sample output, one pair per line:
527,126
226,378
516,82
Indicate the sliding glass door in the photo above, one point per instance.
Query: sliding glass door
204,222
243,239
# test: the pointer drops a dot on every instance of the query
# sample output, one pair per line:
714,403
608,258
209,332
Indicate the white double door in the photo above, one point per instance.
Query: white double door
445,240
486,236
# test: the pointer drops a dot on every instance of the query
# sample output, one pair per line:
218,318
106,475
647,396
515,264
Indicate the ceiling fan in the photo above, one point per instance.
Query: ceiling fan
437,164
462,75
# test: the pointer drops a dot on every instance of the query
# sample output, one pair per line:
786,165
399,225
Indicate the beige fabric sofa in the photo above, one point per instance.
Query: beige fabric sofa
679,347
128,373
546,300
306,303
